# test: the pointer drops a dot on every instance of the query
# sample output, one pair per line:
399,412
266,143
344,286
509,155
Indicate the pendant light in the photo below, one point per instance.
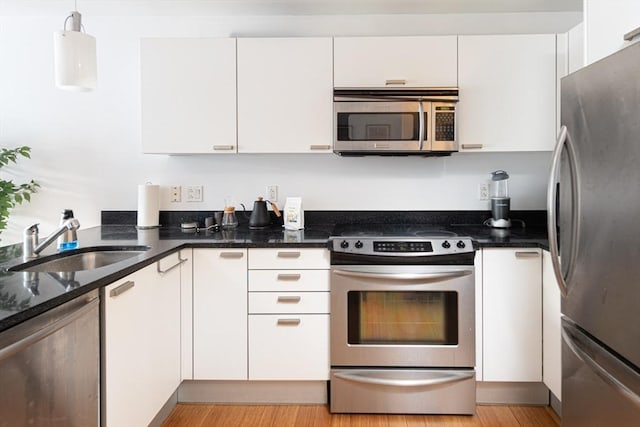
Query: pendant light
74,56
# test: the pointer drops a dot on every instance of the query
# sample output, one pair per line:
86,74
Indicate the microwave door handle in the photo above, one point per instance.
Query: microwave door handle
421,126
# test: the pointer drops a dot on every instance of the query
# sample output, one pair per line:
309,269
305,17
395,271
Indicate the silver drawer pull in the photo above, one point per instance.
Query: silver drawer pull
223,147
395,82
530,254
121,289
471,146
179,263
289,300
231,254
291,277
319,147
288,254
288,322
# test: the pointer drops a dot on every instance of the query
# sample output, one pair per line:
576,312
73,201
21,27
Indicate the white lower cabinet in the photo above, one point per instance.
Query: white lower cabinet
551,332
288,314
220,314
141,343
512,314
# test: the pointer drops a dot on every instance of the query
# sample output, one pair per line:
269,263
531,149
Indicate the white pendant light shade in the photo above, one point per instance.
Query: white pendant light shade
75,60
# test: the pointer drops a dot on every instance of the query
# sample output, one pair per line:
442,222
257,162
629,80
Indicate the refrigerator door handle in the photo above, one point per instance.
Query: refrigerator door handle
552,194
592,354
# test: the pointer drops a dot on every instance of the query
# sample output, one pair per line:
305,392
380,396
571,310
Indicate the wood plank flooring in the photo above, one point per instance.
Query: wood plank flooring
201,415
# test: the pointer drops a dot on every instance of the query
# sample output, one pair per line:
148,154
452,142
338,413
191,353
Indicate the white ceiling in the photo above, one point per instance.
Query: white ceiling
290,7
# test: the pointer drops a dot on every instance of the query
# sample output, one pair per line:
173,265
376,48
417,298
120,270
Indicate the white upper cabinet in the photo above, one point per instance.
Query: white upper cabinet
389,61
507,92
285,95
188,95
606,23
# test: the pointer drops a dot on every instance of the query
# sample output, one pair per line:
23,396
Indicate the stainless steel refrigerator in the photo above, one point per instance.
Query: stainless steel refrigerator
594,239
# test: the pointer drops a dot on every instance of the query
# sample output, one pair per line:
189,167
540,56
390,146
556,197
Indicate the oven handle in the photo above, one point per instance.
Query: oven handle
443,378
431,277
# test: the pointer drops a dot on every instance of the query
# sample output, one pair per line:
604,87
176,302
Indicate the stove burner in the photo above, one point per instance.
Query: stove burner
361,234
435,233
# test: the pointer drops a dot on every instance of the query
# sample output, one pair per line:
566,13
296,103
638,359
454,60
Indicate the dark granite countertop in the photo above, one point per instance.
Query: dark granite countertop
25,295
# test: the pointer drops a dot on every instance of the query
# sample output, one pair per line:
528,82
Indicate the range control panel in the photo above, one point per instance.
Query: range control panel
390,246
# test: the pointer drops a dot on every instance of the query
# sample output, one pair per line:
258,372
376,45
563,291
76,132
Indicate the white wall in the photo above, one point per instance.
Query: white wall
86,146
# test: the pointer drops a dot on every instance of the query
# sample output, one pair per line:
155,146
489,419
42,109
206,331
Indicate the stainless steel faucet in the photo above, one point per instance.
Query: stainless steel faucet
32,248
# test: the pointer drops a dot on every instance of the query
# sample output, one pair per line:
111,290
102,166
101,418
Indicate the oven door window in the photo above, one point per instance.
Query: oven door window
387,126
403,317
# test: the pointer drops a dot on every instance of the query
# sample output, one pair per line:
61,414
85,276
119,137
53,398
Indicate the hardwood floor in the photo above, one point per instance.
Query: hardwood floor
201,415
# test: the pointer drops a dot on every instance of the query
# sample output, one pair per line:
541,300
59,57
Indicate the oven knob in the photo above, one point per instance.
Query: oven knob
461,244
359,244
446,244
344,244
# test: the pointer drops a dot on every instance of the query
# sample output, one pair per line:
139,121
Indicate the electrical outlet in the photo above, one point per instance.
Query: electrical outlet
193,193
483,191
176,193
272,193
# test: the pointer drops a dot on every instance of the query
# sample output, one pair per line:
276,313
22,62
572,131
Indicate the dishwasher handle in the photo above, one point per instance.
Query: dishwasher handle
45,331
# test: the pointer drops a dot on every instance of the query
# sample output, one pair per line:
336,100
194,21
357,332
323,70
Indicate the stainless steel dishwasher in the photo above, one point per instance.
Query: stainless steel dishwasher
50,367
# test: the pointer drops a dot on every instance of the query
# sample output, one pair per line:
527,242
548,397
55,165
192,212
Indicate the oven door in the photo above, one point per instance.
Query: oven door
402,316
392,126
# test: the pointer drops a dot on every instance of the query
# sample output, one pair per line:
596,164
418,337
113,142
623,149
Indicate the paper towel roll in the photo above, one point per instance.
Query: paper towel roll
148,206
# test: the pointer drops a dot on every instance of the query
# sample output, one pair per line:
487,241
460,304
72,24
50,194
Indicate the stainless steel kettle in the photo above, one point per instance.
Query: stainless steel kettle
260,217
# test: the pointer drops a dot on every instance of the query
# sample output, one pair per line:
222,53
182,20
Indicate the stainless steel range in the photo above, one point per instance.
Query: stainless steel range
402,321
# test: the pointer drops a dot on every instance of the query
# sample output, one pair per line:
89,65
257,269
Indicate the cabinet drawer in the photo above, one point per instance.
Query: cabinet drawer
274,259
289,280
289,347
288,302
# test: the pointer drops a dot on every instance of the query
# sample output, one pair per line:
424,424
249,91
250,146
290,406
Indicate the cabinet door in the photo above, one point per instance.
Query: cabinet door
606,22
126,351
512,315
285,95
289,347
220,314
188,95
163,329
507,92
141,324
376,61
551,332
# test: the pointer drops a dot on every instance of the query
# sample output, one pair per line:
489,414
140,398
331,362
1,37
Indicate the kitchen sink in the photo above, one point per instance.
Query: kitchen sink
81,259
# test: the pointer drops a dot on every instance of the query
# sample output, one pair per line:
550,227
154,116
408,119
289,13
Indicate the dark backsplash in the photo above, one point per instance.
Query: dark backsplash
532,218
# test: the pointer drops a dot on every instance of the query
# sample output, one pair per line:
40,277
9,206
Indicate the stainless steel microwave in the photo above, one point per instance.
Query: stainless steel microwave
395,121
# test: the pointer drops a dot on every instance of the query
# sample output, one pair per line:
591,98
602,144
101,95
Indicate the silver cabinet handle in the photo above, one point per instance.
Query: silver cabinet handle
319,147
527,254
552,230
231,254
395,82
179,263
380,145
18,346
292,277
289,300
445,377
421,125
121,289
407,277
288,254
471,146
223,147
288,322
632,34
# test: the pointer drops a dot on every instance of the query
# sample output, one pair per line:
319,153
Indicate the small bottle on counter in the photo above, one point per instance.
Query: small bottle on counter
69,239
